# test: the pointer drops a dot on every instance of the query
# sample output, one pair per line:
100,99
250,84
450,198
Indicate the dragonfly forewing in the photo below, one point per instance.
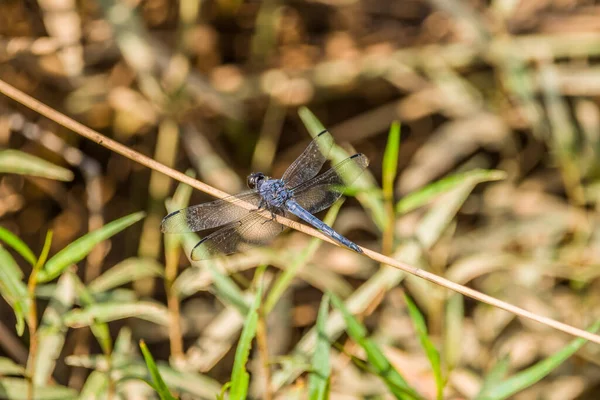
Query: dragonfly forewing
324,190
310,162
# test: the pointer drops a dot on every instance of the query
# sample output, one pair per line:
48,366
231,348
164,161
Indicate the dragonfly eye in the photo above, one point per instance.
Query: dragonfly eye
254,178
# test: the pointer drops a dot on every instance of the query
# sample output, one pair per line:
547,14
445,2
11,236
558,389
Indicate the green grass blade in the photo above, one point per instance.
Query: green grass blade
390,160
311,122
158,382
12,288
223,394
376,359
239,376
432,353
45,251
81,247
18,245
422,196
318,381
494,376
18,162
126,271
535,373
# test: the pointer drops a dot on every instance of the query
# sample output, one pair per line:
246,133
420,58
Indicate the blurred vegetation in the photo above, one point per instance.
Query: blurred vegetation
491,180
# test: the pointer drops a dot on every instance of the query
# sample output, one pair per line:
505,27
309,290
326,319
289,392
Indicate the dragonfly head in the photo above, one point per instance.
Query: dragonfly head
255,179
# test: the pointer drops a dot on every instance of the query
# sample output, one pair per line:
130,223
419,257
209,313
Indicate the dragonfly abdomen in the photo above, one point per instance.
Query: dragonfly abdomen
301,213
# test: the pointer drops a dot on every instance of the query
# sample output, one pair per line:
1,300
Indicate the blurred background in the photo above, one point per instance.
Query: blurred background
217,88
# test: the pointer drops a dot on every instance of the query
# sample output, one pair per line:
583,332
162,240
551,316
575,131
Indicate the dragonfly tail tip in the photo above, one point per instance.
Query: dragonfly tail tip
355,248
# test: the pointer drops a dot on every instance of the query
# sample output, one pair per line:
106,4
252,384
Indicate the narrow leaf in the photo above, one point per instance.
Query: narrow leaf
12,288
159,384
239,376
9,367
81,247
422,196
99,329
495,376
18,245
535,373
383,368
18,162
45,251
318,381
311,122
126,271
432,354
95,387
106,312
390,160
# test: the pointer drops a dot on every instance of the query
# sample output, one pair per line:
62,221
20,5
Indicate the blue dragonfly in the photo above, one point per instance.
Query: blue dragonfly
300,192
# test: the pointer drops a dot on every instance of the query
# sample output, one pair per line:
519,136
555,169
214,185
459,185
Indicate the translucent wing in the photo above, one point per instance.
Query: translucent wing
310,162
252,230
209,215
322,191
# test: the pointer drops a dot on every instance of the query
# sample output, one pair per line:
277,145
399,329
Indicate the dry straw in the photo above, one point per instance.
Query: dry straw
83,130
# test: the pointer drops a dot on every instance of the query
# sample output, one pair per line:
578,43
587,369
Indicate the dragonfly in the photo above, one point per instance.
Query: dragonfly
300,192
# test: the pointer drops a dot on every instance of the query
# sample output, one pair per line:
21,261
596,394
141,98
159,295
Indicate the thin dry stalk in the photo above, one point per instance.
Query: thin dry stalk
263,351
175,334
33,337
84,131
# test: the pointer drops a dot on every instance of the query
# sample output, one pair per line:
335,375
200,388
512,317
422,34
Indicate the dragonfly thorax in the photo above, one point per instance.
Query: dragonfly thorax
273,191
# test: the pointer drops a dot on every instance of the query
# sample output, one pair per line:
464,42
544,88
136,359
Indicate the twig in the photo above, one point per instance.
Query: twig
172,253
83,130
262,341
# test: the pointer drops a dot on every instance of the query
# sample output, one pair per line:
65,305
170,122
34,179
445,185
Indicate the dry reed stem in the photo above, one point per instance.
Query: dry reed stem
117,147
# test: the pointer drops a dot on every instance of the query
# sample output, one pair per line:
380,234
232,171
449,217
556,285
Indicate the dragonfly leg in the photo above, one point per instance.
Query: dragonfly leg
272,216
